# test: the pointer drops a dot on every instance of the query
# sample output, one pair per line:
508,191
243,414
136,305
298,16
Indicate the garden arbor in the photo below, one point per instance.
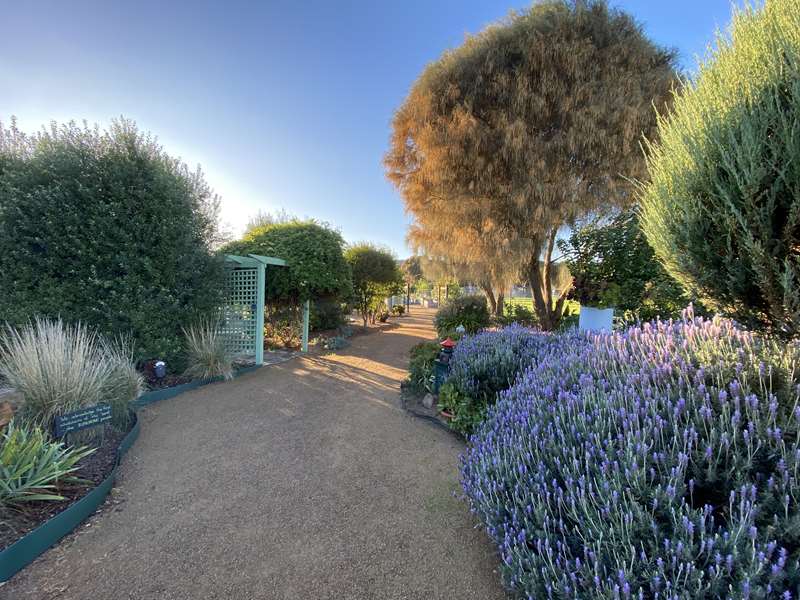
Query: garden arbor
242,319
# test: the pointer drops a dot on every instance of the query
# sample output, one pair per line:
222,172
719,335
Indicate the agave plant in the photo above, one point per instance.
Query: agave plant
32,467
207,355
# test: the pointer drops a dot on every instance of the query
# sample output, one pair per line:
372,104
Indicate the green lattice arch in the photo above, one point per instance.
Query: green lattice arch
242,319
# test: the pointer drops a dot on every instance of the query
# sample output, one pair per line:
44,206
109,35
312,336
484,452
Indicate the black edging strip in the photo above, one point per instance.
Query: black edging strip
29,547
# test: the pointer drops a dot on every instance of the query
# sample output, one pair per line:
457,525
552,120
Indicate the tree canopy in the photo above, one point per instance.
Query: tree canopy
530,124
375,276
613,265
106,228
314,253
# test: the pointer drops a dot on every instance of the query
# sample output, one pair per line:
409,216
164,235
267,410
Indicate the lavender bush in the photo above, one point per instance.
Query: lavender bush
483,365
661,462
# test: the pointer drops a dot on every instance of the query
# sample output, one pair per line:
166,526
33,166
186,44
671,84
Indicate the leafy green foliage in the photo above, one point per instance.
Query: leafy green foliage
516,313
326,313
57,368
420,367
469,311
613,265
32,467
722,208
398,310
107,229
206,352
313,252
376,276
465,412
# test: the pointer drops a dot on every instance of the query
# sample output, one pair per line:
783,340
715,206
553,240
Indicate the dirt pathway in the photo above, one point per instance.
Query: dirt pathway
303,480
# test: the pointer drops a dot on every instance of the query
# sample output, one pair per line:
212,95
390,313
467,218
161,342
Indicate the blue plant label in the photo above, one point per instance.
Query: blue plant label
84,418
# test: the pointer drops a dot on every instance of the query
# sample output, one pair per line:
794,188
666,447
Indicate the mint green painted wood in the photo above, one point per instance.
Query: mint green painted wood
242,318
22,552
306,317
259,341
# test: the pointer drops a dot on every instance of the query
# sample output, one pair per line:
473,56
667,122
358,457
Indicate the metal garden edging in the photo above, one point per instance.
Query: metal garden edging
25,550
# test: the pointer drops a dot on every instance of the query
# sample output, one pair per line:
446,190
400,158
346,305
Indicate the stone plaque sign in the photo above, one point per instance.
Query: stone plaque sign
84,418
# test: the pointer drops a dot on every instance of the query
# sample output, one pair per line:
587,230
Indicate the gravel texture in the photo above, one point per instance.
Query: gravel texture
303,480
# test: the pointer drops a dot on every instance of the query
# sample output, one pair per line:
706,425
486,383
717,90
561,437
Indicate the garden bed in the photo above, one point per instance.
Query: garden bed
94,468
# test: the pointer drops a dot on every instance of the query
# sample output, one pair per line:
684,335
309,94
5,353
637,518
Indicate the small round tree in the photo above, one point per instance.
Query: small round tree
316,269
722,208
106,228
375,277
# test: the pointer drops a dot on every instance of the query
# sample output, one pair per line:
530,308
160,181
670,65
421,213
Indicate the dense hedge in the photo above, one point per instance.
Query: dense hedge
104,227
661,462
314,255
722,209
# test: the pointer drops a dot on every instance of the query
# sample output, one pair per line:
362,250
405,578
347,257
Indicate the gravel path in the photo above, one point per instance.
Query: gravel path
303,480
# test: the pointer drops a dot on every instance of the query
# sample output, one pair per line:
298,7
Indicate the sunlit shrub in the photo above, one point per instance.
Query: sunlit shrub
660,462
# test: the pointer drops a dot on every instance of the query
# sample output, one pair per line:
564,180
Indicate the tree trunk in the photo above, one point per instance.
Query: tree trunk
499,308
487,289
539,278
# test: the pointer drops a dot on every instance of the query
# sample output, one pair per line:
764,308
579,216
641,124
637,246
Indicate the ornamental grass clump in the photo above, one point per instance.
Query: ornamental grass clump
206,352
58,367
659,462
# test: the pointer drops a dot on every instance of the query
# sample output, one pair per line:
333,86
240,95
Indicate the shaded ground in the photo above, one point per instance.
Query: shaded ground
303,480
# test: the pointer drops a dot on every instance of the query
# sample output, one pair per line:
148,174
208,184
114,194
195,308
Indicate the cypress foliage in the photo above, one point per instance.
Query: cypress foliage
722,209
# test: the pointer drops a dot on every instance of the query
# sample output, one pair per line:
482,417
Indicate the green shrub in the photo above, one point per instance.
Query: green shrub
398,310
612,265
57,368
376,276
516,313
469,311
420,367
722,208
465,412
315,265
326,314
207,355
105,228
32,467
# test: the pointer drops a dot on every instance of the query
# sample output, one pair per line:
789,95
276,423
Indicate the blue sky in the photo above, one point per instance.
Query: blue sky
286,105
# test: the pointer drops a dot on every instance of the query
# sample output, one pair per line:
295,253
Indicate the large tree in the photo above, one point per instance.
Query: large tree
527,126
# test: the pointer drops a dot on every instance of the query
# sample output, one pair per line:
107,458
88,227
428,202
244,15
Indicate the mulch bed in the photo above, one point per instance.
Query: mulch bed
94,468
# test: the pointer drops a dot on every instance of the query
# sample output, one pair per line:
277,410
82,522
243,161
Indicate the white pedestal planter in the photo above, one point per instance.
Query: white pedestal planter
595,319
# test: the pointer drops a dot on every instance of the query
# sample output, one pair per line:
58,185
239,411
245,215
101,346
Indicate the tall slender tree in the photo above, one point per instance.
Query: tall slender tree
527,126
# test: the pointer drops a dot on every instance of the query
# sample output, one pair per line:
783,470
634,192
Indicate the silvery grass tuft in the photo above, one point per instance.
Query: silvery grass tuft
207,355
658,462
124,383
57,368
